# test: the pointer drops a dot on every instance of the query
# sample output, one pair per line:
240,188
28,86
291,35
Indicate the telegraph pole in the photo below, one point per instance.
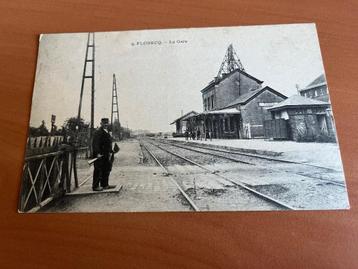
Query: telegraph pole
115,109
89,62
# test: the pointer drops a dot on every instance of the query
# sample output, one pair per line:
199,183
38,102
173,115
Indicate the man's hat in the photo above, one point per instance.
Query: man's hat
105,120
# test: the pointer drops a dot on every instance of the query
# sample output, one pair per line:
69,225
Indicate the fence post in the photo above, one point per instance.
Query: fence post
74,160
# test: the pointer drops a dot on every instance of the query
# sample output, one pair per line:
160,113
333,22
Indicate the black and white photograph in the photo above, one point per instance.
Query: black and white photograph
195,119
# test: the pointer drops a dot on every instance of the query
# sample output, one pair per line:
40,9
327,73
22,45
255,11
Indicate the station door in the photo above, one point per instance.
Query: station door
276,129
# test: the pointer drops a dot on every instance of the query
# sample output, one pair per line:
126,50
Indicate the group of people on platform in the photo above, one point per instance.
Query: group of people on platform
198,135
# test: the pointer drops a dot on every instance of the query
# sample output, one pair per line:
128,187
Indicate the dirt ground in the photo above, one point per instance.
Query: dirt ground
147,187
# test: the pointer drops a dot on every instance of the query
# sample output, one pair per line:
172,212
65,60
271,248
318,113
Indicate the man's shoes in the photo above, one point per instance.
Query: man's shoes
97,189
109,187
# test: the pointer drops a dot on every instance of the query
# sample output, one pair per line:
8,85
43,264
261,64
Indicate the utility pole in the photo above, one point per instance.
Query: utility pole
115,110
89,61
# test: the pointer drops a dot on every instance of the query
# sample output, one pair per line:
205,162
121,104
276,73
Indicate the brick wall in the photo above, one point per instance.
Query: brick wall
227,90
318,93
247,84
304,124
255,115
330,126
304,127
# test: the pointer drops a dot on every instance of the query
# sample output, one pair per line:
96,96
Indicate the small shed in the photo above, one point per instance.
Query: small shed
182,123
307,119
222,123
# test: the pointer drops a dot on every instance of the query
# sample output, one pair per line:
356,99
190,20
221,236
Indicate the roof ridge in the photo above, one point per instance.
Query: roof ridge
298,100
318,80
227,75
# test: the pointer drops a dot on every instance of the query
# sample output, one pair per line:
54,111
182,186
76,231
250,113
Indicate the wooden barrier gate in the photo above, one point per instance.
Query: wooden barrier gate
48,172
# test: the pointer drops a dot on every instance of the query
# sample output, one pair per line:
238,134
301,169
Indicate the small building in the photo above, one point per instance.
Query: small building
317,89
306,120
182,123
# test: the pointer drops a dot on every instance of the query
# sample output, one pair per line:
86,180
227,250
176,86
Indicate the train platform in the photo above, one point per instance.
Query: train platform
320,154
140,188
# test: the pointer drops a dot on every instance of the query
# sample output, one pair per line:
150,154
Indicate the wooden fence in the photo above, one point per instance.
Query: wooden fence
49,171
43,144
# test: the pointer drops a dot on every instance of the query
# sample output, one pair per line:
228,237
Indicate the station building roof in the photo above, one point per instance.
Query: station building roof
227,111
222,111
295,101
247,97
319,81
185,116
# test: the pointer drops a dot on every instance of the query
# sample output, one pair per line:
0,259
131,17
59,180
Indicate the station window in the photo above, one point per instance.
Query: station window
232,127
226,125
212,101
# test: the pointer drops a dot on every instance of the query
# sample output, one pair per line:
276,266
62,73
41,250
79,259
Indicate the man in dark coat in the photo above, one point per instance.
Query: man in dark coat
102,149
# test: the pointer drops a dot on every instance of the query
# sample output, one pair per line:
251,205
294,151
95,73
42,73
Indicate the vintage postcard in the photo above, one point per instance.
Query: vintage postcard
198,119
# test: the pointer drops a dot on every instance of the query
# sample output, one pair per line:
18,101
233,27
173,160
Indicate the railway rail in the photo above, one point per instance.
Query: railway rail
237,152
187,198
238,183
210,151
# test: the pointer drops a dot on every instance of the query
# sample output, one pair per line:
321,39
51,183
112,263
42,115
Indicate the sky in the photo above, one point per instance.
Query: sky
157,82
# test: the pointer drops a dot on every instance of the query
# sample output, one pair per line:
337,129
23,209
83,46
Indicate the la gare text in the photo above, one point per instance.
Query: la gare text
159,42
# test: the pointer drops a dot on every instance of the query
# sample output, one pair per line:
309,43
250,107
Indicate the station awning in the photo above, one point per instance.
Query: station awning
222,111
227,111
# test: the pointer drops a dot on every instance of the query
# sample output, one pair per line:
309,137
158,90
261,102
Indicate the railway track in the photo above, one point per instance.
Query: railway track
241,185
237,152
186,197
220,152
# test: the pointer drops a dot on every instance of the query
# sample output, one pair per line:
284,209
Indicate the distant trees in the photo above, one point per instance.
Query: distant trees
79,129
116,130
72,123
39,131
119,132
68,127
125,133
76,131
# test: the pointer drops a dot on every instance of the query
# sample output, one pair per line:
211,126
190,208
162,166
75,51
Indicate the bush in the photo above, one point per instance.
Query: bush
325,138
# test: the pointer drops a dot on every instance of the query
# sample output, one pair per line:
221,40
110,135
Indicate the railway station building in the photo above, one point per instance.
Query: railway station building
237,105
234,106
